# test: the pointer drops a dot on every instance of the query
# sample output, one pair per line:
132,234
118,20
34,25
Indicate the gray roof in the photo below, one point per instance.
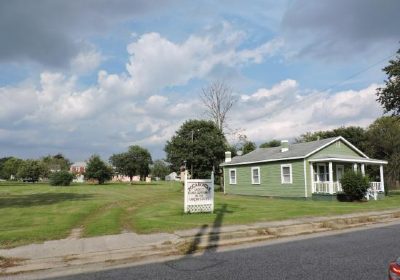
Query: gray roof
299,150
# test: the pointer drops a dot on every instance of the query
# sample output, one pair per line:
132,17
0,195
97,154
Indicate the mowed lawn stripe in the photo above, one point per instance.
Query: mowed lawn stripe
38,212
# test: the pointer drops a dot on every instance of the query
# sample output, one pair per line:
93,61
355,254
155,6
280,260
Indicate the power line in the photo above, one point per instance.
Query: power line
319,92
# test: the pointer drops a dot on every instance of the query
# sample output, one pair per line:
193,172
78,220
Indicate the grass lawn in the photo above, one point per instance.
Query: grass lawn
37,212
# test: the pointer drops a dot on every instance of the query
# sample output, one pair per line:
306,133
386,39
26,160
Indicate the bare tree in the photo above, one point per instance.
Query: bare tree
218,99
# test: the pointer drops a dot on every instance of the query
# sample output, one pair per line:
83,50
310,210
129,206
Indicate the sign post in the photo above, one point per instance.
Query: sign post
199,195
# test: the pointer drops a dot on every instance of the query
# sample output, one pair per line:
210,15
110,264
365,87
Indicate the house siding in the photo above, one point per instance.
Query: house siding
270,177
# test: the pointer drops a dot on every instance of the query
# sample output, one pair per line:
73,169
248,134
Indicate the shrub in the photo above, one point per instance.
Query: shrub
61,178
355,185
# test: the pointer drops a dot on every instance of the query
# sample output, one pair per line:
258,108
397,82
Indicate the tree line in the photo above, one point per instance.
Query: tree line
136,161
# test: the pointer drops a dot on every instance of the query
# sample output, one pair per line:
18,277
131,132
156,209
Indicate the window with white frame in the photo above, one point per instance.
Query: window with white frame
286,173
255,175
232,176
321,173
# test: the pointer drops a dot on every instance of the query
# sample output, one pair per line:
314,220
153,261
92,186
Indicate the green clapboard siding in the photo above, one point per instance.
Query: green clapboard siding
333,149
270,175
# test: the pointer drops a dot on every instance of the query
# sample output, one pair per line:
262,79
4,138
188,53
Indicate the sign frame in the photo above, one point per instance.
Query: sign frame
199,195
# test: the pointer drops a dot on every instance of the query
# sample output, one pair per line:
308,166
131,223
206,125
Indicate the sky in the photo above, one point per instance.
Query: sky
95,76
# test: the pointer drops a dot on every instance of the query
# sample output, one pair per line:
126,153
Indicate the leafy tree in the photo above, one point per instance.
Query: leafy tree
2,162
383,138
354,134
233,149
249,147
160,169
97,169
271,144
242,144
57,162
11,166
135,161
355,184
61,178
31,168
199,143
389,96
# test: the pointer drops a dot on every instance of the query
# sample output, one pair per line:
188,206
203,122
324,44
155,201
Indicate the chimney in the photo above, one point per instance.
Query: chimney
284,146
228,156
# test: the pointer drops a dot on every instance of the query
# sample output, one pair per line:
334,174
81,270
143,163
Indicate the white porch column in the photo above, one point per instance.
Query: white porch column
312,178
382,187
363,169
355,167
330,178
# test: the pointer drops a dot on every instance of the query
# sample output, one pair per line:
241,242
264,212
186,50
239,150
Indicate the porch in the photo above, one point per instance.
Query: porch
326,172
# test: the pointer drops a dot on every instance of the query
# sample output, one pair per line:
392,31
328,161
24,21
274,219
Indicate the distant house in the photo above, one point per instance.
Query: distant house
122,178
310,170
79,168
171,177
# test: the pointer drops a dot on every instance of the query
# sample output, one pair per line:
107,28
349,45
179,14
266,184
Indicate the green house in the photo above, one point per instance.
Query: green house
310,170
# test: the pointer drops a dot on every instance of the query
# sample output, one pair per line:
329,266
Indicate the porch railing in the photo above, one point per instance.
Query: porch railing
376,186
323,187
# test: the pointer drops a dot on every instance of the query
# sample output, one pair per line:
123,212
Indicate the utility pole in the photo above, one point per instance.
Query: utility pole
191,163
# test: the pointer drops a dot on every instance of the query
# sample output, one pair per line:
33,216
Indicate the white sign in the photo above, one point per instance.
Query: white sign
199,195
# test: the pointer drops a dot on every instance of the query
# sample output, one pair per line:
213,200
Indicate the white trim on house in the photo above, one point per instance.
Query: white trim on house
305,178
230,176
333,141
252,175
290,174
361,160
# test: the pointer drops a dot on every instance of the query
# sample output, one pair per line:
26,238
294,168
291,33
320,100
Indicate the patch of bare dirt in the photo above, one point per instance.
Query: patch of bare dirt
76,233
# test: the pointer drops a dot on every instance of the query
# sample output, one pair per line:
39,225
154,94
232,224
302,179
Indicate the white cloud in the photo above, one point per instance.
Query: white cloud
258,54
285,87
157,101
264,120
86,61
155,62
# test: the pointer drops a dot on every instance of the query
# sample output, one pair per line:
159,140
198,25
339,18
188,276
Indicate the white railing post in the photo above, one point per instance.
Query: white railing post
185,193
330,178
382,186
213,189
312,178
363,169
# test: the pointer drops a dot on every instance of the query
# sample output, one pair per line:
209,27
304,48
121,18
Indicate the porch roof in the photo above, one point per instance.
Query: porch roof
345,158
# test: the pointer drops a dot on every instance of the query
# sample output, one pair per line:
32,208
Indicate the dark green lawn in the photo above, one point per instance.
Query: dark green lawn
37,212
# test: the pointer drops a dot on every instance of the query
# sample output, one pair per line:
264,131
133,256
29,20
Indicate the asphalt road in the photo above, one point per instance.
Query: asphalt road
363,254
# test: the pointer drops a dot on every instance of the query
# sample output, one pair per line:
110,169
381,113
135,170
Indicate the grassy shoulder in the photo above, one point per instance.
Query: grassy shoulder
38,212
